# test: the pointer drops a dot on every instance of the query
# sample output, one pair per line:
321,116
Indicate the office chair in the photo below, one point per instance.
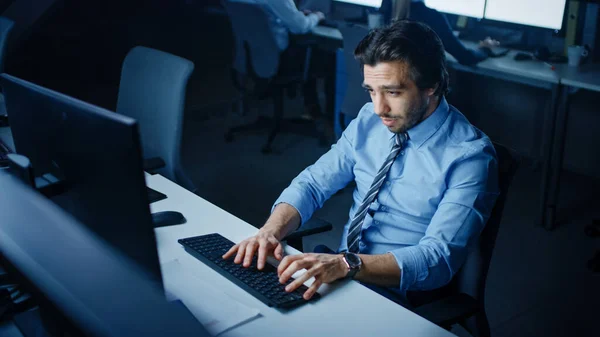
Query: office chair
354,98
152,91
6,25
258,58
462,301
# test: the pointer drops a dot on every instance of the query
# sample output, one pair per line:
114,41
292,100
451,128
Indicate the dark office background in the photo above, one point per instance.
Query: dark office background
539,283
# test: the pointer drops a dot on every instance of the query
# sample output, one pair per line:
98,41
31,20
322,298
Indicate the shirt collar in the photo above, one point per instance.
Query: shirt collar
421,132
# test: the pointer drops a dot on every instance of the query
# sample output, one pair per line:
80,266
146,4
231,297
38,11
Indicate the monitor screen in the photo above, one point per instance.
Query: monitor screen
97,155
471,8
366,3
538,13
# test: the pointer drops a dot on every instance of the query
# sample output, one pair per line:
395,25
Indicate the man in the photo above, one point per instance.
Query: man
418,11
286,19
426,179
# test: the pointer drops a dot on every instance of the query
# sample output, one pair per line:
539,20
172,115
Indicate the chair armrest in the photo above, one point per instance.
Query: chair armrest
151,165
449,310
312,226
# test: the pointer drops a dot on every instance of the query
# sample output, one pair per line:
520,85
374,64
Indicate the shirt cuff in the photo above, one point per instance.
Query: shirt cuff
411,267
295,199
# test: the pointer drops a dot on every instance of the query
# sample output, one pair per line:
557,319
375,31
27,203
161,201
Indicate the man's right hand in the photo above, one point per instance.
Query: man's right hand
264,242
320,15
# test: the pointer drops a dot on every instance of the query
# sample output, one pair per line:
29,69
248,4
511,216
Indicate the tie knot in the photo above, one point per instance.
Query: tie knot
401,138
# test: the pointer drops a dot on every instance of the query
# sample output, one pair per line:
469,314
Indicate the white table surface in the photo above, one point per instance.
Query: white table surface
345,309
586,76
528,69
327,32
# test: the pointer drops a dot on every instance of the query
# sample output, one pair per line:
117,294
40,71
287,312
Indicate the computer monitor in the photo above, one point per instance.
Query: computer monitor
96,154
365,3
538,13
76,278
471,8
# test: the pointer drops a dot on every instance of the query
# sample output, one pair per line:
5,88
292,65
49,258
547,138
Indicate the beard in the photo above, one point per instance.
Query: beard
413,116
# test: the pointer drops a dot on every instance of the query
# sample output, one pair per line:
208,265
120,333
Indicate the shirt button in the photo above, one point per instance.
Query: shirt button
383,208
387,183
402,153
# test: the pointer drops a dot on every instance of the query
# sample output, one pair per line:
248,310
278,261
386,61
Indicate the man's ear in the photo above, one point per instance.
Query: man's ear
432,91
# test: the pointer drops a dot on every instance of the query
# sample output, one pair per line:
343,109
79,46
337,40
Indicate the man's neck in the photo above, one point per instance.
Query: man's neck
433,105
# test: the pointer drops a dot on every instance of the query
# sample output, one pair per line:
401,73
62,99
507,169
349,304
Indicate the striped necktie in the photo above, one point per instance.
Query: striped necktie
356,224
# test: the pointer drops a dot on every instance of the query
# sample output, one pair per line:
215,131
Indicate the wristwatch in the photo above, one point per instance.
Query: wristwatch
353,262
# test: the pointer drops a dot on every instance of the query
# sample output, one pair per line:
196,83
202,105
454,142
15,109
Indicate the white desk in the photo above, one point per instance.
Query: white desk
583,77
345,309
530,72
324,38
328,33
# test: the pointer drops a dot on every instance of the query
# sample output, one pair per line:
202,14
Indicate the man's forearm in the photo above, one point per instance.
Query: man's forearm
381,270
284,219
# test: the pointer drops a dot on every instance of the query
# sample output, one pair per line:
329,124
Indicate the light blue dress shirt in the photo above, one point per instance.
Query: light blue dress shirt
439,192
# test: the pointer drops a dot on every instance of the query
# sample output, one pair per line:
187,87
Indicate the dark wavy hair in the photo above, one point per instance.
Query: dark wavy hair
412,42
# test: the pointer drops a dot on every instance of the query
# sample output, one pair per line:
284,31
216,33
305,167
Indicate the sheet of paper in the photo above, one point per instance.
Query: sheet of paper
214,309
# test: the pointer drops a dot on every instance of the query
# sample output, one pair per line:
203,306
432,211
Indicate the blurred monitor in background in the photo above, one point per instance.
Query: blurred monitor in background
83,286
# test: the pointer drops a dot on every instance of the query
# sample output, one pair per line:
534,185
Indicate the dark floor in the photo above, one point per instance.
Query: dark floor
538,283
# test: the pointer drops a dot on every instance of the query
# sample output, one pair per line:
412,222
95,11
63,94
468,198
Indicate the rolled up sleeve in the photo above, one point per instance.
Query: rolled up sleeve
332,172
456,225
318,182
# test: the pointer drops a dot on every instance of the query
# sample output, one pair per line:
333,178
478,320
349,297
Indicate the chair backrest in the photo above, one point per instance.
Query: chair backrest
152,91
6,25
256,49
355,96
471,278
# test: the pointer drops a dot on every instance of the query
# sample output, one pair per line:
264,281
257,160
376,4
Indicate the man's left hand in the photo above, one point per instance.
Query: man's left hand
325,268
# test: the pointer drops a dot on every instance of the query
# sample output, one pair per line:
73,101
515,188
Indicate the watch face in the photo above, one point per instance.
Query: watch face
353,260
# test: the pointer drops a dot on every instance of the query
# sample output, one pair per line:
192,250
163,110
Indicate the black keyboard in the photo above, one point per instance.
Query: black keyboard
262,284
